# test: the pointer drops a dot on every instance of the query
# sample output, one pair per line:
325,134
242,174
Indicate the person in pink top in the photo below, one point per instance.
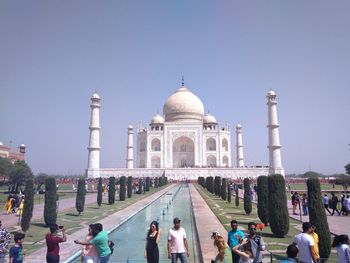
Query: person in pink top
89,252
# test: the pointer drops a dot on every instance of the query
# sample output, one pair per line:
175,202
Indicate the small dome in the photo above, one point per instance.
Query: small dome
238,126
1,144
130,127
271,93
183,106
157,119
22,146
95,96
208,118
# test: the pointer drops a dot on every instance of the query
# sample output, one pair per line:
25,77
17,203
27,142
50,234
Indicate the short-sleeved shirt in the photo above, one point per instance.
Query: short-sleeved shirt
52,243
316,250
16,253
325,200
343,252
176,238
100,241
257,245
232,239
5,239
304,241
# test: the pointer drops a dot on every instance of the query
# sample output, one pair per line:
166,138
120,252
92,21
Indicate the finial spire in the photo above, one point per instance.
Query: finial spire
183,81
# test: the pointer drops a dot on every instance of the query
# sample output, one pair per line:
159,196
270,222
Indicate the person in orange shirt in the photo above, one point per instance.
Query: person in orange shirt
315,237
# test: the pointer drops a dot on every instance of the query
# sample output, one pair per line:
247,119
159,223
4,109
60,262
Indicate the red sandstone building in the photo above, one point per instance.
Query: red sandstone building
7,152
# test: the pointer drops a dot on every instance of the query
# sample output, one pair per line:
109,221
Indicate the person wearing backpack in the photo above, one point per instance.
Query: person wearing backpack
257,243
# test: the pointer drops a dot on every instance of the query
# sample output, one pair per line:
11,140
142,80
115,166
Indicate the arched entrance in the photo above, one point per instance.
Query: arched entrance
183,152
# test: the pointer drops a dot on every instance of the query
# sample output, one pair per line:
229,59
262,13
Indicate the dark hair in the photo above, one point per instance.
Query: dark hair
234,222
98,227
306,226
53,228
292,251
150,228
250,224
19,236
339,240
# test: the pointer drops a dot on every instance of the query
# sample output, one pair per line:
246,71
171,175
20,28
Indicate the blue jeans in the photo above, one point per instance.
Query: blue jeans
104,259
2,258
181,256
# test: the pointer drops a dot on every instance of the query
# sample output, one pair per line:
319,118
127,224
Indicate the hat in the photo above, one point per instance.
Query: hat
176,220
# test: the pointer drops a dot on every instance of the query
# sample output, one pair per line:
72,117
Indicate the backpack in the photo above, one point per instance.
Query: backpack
111,246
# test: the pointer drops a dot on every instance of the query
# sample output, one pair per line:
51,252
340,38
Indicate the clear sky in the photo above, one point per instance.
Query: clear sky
55,54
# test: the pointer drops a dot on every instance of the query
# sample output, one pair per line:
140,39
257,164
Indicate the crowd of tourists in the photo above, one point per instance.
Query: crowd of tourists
14,204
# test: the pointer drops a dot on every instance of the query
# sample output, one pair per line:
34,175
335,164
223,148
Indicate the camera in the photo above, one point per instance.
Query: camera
213,235
60,227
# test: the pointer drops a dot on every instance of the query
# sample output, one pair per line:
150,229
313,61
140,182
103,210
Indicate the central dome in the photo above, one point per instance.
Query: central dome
183,106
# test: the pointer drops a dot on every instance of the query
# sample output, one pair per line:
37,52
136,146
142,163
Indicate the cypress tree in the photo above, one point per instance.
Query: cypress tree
50,213
318,216
236,196
129,186
217,183
229,193
263,199
80,198
99,192
156,182
247,196
148,182
122,190
28,205
223,189
111,191
278,210
211,184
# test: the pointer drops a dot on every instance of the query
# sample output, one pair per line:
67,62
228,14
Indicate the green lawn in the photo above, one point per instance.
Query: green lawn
225,212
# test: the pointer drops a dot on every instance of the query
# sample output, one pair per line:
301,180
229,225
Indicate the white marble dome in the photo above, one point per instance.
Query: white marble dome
183,106
271,93
95,96
209,119
157,119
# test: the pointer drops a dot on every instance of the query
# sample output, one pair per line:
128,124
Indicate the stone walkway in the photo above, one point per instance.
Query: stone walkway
69,248
9,220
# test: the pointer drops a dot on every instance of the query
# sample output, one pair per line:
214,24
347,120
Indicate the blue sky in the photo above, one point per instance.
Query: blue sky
55,54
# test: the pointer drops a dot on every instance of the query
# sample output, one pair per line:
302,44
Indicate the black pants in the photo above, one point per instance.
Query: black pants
326,207
335,209
52,258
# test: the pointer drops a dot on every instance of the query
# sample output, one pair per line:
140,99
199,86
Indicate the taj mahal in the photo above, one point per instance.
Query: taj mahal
184,143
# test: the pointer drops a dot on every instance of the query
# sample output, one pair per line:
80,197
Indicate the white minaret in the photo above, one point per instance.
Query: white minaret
94,142
130,149
274,146
239,146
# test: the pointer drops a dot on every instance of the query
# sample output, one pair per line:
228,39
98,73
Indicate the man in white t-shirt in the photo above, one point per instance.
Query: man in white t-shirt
177,243
305,244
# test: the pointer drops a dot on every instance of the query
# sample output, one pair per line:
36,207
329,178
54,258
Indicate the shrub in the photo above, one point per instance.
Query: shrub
247,197
318,216
122,190
217,183
229,193
156,182
210,184
278,210
80,198
99,192
223,189
263,199
148,182
237,197
28,205
129,186
50,213
111,191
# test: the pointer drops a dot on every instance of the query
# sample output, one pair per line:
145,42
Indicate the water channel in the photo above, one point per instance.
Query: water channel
130,237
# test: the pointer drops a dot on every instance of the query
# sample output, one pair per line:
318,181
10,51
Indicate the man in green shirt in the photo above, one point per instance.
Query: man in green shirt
100,241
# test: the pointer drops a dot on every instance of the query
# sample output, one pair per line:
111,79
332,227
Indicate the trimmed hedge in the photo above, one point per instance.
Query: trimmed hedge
229,193
99,192
278,210
111,191
217,183
223,189
122,190
317,215
129,186
236,197
247,197
263,199
28,205
148,183
80,198
50,213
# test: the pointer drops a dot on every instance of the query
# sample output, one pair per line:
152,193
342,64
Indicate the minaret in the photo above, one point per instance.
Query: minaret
94,142
130,149
275,166
239,146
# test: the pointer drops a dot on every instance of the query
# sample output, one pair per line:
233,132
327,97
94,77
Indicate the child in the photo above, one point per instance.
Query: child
16,251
